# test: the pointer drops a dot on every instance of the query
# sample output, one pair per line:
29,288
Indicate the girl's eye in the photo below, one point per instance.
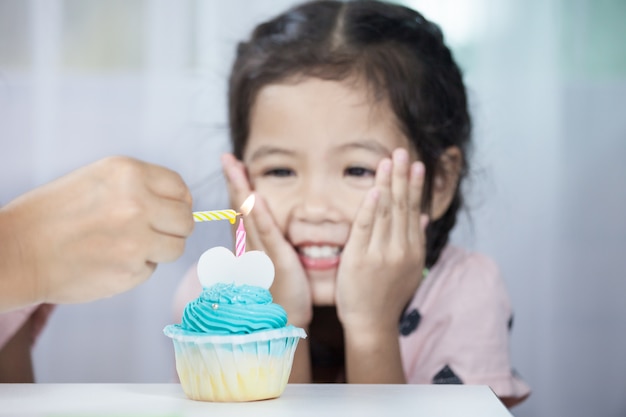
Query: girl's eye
279,172
359,172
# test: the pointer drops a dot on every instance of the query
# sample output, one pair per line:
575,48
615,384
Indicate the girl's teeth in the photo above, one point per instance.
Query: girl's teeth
320,251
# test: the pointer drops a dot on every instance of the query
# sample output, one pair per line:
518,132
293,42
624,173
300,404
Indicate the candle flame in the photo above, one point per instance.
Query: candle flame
247,205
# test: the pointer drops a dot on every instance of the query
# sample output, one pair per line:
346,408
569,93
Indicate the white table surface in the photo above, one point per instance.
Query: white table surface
320,400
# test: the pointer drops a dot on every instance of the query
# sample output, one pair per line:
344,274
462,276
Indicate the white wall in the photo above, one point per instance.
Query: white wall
548,82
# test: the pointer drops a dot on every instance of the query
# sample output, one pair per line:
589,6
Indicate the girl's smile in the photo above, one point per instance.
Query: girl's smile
319,256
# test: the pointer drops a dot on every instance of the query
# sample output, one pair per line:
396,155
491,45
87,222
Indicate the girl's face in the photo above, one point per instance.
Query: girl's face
311,154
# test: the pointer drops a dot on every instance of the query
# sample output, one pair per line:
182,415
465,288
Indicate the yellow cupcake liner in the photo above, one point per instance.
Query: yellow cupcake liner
232,368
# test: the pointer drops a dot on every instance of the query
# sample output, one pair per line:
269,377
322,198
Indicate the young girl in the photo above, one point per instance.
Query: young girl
349,122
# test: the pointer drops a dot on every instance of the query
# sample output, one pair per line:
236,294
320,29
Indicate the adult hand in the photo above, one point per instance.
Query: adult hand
96,232
291,287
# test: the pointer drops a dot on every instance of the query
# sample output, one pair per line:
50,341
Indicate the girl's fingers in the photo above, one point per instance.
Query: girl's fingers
399,194
363,225
382,218
236,179
262,232
239,189
416,186
266,231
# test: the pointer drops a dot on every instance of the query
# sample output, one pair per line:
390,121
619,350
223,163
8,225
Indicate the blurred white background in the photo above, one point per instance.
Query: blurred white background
82,79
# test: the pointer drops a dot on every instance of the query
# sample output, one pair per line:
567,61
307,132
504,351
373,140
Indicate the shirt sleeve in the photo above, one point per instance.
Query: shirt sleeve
464,335
11,321
481,331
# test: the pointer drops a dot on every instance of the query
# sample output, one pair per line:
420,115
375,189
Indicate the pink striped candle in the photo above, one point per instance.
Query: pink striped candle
240,239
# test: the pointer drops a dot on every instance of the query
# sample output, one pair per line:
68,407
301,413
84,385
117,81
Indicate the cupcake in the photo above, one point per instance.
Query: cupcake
233,343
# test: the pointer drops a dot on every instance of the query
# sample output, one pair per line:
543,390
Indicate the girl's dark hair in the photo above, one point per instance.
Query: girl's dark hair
395,50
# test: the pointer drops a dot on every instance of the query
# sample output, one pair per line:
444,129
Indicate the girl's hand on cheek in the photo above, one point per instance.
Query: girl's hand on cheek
382,262
291,287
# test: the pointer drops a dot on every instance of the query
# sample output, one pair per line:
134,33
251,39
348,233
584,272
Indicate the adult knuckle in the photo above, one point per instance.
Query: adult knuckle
128,210
178,188
189,225
124,168
187,197
176,250
117,163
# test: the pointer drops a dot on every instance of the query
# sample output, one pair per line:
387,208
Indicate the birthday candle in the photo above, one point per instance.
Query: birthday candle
228,214
240,239
207,216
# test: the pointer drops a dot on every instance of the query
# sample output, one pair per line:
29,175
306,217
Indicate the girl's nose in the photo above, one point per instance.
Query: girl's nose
316,202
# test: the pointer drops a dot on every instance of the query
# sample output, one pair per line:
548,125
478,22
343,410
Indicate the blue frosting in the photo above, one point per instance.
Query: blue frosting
226,309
